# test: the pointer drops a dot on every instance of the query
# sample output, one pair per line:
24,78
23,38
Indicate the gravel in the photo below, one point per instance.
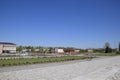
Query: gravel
96,69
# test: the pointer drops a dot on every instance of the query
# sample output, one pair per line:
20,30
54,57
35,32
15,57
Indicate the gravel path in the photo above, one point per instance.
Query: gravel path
97,69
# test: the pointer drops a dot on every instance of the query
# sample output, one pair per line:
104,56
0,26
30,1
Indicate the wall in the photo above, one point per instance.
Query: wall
1,47
7,47
59,50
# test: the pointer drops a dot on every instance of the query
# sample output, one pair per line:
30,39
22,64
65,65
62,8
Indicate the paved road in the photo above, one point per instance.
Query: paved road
96,69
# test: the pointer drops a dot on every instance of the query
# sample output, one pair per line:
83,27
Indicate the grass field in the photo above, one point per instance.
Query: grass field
105,54
24,61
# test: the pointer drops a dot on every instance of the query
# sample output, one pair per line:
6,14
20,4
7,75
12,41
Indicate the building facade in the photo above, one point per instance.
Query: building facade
90,50
57,50
6,47
77,51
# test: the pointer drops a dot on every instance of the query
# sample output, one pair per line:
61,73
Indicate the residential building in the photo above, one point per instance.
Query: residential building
37,50
90,50
69,51
57,50
6,47
77,51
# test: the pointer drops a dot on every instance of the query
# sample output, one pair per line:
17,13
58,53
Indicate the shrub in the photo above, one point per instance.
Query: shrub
22,61
118,52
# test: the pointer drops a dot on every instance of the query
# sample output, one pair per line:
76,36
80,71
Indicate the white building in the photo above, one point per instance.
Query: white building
90,50
77,51
6,47
37,50
57,50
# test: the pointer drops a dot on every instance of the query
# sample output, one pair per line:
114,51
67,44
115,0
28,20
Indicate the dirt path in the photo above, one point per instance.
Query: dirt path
97,69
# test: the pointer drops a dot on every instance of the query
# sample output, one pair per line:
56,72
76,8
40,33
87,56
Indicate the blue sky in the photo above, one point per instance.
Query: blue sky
73,23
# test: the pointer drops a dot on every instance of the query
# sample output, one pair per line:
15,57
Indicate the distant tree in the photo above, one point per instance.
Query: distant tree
118,51
41,50
50,49
28,47
107,48
32,49
99,50
19,48
119,46
83,50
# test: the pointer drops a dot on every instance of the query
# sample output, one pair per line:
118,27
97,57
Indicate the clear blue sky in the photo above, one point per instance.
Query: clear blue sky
74,23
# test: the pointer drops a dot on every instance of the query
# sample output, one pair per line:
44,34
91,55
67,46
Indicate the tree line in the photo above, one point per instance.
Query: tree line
39,49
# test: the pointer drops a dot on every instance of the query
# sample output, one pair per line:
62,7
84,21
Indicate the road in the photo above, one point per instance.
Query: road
96,69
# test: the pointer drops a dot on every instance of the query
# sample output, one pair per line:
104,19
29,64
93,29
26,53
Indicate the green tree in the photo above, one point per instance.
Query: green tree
32,49
19,48
107,48
119,47
83,50
118,50
99,50
50,49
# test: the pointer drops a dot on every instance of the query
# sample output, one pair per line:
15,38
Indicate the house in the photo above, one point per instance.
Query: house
37,50
90,50
69,51
57,50
77,50
72,51
6,47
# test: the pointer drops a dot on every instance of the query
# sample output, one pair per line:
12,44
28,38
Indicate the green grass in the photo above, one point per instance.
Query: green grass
9,55
25,61
104,54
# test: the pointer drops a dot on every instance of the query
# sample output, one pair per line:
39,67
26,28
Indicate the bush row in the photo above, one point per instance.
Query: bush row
24,61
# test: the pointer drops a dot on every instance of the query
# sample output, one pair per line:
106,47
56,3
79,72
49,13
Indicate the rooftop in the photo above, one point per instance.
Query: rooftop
7,43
